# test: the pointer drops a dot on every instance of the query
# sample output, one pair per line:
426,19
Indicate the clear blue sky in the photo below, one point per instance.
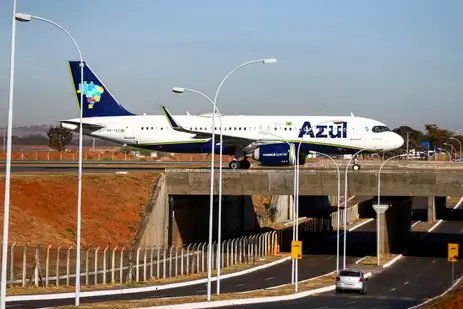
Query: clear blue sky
400,62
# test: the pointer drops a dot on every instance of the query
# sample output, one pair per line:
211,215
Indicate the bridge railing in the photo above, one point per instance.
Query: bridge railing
37,265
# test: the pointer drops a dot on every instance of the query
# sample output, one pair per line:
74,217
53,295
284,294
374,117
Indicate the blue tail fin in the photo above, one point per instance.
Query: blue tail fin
98,101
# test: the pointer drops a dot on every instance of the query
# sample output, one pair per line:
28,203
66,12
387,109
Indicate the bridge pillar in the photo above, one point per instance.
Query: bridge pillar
436,207
395,225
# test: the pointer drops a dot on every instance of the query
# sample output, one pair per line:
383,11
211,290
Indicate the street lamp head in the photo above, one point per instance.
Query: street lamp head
23,17
269,61
178,90
447,144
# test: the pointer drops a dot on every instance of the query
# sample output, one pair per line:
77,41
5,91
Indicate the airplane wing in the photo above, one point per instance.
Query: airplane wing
86,126
238,142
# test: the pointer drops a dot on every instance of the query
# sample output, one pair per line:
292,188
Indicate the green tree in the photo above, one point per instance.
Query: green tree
414,137
437,136
59,138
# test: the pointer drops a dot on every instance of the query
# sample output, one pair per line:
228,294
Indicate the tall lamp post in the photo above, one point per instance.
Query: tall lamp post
379,209
219,227
345,206
459,143
6,205
339,202
28,17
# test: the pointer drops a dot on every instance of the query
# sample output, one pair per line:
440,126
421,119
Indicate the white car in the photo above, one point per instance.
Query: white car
351,279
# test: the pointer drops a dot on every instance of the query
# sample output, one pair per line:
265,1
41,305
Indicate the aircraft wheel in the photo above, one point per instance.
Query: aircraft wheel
234,164
355,167
245,164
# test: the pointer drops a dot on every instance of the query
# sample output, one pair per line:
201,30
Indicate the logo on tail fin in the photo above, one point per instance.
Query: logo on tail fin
92,93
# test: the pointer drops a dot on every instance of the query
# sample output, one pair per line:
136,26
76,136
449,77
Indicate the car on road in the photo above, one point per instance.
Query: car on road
351,280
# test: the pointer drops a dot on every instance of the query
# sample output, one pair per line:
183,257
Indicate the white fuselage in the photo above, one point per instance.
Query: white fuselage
153,131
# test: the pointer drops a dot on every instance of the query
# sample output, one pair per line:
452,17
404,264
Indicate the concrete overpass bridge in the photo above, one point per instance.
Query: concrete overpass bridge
183,202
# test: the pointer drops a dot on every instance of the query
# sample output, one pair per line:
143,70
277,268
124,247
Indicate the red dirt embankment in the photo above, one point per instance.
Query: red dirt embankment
44,208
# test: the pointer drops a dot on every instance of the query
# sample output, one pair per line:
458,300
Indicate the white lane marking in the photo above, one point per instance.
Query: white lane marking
359,225
393,261
392,290
415,223
459,203
435,226
406,282
240,284
270,278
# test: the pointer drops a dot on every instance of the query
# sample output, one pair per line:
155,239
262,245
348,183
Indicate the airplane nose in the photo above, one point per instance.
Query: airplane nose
398,141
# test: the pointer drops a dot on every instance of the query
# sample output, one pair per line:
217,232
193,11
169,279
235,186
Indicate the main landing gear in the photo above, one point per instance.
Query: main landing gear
242,164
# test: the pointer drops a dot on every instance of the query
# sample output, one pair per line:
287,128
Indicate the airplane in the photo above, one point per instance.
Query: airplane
271,140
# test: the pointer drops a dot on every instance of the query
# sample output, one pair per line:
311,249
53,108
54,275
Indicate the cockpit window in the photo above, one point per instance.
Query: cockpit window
379,129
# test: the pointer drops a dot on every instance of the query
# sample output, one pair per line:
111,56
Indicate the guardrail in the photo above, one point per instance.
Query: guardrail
54,266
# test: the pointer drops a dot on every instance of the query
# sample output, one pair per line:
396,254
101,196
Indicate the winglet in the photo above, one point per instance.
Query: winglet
170,119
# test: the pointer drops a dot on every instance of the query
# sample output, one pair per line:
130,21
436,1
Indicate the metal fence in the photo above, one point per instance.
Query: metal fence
55,266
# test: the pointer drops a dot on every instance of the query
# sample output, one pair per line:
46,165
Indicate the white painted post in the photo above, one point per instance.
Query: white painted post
96,265
68,265
105,269
188,259
164,255
47,265
12,265
121,266
170,260
157,263
181,263
24,264
57,266
214,255
151,261
144,264
137,265
87,254
37,266
113,264
176,261
198,252
227,255
232,251
203,255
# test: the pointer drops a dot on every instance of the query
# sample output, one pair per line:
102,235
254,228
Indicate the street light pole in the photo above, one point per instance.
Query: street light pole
28,17
211,198
379,202
459,143
345,206
6,205
338,200
219,215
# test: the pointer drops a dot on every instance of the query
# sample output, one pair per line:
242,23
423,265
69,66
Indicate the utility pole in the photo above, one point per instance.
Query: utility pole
408,133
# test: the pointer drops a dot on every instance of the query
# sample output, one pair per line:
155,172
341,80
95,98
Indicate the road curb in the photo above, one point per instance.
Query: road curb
393,261
152,288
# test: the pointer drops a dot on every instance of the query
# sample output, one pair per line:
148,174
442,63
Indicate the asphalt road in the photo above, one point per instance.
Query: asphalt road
316,263
422,273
